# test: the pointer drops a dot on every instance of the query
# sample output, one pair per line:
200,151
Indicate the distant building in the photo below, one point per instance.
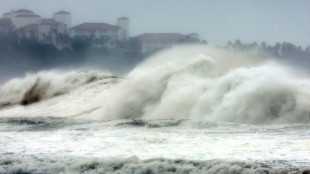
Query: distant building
24,20
99,30
156,41
53,30
22,17
123,23
96,29
63,17
192,38
29,31
48,25
6,25
29,25
58,31
13,14
45,28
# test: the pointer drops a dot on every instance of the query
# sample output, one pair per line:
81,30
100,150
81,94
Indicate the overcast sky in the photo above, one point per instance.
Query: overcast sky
217,21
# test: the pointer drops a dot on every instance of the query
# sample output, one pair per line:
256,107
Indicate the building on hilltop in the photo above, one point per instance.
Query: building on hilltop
29,31
192,38
12,14
96,29
63,17
102,34
21,18
29,25
26,19
48,25
99,30
123,23
152,42
48,30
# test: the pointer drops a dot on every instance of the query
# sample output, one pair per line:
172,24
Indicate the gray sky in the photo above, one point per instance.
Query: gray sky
217,21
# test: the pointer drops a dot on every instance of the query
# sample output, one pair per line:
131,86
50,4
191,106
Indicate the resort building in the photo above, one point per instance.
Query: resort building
21,19
152,42
103,30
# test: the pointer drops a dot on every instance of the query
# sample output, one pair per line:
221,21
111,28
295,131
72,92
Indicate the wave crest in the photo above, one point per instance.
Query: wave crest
213,85
43,85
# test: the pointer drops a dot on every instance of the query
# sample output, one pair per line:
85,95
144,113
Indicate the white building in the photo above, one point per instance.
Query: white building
27,24
193,37
102,33
99,30
156,41
24,20
46,31
22,17
49,29
12,14
123,23
48,25
63,17
31,30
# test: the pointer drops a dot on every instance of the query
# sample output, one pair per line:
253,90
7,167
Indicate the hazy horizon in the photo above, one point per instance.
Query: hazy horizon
215,21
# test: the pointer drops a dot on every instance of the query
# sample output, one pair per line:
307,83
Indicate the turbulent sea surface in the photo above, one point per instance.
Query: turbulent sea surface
191,109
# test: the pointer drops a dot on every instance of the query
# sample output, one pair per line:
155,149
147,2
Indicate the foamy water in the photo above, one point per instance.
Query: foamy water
190,109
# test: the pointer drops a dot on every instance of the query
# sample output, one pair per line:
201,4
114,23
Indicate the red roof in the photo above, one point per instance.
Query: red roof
19,11
29,28
123,18
5,22
96,26
23,11
161,37
62,12
28,16
50,22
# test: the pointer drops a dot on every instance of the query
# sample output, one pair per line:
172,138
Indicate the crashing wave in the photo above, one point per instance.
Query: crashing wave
43,85
188,82
213,85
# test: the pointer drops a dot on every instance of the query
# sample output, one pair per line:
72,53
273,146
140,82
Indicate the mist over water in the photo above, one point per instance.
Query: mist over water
180,111
203,83
192,82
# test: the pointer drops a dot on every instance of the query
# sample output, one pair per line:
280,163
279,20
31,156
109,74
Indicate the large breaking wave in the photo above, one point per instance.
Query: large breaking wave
44,85
187,82
208,84
173,104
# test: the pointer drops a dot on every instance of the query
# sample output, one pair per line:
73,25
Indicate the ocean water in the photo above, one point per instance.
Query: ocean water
190,109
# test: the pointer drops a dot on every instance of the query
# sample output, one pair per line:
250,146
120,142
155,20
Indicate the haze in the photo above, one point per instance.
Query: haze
216,21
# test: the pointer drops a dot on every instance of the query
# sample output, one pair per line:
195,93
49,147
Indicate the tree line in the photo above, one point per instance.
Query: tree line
285,51
57,49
